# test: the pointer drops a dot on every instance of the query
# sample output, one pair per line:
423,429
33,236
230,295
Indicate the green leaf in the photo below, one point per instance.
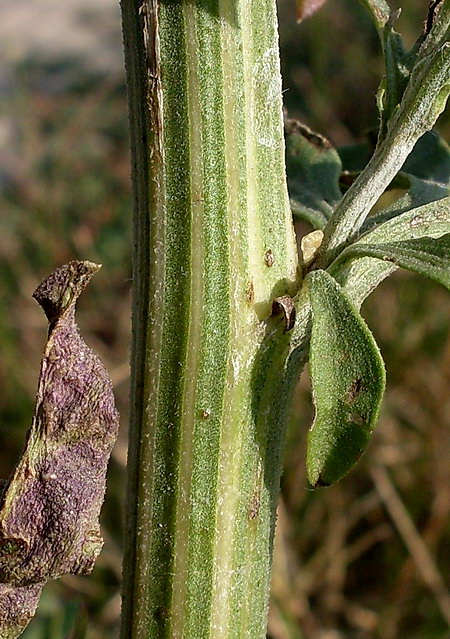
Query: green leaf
429,159
423,101
427,92
427,256
429,220
425,174
348,380
420,192
313,170
315,218
399,63
359,277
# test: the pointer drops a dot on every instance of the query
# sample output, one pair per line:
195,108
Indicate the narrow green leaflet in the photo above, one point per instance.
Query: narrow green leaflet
419,192
348,380
399,63
358,276
426,175
429,220
313,170
427,256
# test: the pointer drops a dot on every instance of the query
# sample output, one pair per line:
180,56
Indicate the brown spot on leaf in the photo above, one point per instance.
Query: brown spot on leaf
356,418
354,390
161,614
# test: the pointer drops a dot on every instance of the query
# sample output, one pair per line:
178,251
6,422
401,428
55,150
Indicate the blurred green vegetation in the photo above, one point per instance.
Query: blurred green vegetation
366,558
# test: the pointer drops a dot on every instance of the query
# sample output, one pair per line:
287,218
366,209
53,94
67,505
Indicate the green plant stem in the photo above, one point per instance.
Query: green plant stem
214,245
438,32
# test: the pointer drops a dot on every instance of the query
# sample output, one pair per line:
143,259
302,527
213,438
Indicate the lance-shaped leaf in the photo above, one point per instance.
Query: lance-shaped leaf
50,506
364,274
348,380
399,64
429,220
426,175
419,192
426,256
313,170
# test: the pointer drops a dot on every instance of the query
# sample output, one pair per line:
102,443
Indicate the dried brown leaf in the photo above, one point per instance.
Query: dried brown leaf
50,506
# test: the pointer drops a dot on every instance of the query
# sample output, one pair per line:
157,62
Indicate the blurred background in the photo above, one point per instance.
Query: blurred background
366,558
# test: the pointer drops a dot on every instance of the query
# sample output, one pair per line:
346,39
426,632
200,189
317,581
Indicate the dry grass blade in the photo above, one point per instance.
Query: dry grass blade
412,539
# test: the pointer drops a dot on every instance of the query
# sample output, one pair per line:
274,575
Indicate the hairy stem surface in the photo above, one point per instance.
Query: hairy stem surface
214,245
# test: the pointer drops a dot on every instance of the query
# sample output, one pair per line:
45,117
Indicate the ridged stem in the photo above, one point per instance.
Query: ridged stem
214,245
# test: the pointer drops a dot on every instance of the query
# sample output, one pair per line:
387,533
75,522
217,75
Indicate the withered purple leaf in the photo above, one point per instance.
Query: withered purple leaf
51,504
17,606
